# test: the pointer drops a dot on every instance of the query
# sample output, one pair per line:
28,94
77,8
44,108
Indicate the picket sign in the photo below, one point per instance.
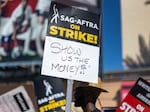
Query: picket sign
72,46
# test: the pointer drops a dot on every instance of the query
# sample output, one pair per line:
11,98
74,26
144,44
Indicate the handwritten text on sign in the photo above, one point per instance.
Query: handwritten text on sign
71,60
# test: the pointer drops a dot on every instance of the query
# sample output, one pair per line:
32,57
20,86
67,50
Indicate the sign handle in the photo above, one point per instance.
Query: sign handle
69,95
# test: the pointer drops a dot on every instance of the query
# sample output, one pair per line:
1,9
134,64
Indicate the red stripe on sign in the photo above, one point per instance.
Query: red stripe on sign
131,104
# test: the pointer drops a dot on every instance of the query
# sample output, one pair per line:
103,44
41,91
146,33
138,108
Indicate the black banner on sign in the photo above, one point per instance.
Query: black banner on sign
73,24
141,91
50,93
22,103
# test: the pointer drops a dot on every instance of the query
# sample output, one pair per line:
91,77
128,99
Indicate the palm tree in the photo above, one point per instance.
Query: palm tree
143,60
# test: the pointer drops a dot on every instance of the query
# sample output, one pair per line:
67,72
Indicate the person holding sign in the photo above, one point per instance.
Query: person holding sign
86,95
18,23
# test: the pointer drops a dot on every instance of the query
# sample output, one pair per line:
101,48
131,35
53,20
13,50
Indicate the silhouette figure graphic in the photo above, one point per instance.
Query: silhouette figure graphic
48,88
55,15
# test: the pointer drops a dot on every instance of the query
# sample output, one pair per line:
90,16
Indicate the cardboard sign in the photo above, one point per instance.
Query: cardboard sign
138,99
51,95
16,100
72,44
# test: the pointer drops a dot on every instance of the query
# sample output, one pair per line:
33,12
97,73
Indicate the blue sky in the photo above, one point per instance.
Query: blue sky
112,54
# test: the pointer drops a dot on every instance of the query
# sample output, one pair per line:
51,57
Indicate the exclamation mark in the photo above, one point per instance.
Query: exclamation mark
95,39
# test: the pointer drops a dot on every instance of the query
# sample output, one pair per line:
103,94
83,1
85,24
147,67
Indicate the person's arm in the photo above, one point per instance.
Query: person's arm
27,21
4,2
24,28
14,34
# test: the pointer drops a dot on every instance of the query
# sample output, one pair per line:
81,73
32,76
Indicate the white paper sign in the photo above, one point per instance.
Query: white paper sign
70,60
